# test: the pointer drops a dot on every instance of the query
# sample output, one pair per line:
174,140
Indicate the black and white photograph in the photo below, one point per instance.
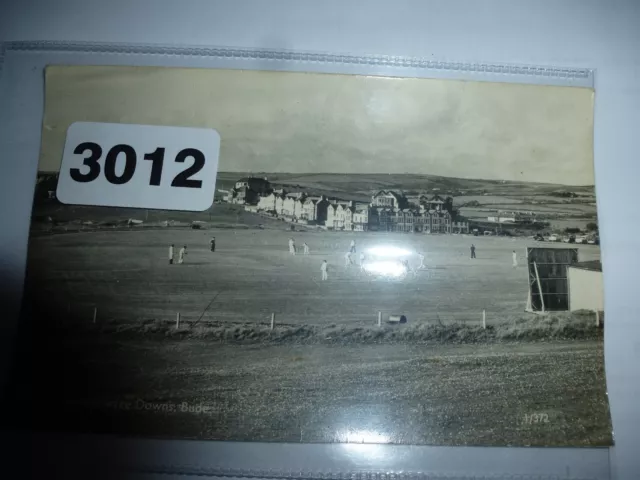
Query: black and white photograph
385,260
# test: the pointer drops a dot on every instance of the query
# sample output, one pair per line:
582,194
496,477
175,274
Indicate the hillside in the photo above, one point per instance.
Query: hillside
361,186
561,206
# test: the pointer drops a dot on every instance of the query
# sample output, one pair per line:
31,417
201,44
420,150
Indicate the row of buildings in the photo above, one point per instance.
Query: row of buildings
387,210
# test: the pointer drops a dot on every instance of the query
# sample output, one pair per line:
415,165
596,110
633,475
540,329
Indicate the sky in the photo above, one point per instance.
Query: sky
323,123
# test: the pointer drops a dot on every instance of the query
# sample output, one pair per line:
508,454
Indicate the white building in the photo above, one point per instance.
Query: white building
361,218
502,219
586,283
259,185
227,195
291,204
340,216
512,217
332,216
268,203
460,227
386,199
314,210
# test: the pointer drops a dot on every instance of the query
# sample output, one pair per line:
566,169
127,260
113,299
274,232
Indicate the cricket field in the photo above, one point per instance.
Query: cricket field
376,392
252,275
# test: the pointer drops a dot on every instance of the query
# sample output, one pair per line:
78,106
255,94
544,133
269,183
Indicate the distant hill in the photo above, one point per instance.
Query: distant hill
362,186
563,206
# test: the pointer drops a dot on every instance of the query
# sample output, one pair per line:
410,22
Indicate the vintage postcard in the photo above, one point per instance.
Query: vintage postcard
386,260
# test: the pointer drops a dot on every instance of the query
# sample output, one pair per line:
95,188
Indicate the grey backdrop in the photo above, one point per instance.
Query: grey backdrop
604,35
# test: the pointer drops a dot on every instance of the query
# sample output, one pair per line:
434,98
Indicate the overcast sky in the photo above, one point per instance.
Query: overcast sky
302,122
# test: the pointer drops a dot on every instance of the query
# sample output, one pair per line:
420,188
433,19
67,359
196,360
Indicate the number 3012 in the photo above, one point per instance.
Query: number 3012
182,179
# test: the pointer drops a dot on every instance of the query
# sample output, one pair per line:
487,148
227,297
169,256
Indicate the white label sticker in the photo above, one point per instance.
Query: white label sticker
139,166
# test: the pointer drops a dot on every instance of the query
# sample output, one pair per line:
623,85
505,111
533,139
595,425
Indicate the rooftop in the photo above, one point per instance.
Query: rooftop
253,179
594,265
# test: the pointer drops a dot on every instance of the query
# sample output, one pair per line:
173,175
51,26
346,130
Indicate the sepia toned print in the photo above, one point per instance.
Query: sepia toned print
386,260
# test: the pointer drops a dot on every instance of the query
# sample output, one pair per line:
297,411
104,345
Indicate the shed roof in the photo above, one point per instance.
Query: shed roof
594,265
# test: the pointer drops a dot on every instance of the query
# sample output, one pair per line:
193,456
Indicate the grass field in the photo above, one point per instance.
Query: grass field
461,200
190,383
251,275
438,395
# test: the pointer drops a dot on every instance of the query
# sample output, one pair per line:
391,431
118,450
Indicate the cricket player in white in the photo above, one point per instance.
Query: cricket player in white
306,248
514,255
181,254
323,269
171,254
352,247
362,259
292,247
421,257
347,259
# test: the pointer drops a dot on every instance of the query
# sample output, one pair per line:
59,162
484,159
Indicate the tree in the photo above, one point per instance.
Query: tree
592,226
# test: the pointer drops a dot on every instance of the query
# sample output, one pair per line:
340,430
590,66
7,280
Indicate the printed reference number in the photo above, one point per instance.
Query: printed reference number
536,418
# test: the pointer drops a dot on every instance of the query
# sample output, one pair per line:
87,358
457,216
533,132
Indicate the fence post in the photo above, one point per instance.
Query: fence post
273,320
379,319
484,319
597,318
178,320
95,314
